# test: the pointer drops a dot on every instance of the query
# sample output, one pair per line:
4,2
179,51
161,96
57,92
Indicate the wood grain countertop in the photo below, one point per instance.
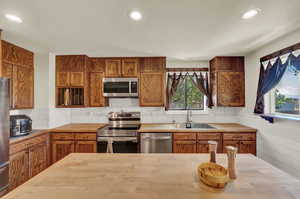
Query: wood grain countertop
218,127
35,132
79,127
153,176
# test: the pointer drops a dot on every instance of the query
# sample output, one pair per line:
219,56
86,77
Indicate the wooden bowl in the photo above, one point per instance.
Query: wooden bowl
213,175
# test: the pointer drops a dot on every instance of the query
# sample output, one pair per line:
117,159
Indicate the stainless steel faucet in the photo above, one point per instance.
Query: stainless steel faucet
189,116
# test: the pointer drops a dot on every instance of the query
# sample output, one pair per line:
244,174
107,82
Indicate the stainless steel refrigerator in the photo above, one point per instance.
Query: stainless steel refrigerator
4,134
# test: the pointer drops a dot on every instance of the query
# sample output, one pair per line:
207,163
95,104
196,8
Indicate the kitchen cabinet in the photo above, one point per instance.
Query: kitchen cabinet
152,81
96,90
184,146
113,68
245,142
22,87
227,79
28,158
86,147
18,169
65,143
38,158
130,67
152,89
190,142
18,66
61,148
72,81
125,67
153,65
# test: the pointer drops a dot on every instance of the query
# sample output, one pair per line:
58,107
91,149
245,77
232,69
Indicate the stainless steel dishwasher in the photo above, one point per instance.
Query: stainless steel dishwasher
156,143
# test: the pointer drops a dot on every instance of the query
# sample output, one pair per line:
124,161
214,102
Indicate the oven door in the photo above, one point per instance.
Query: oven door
120,87
117,145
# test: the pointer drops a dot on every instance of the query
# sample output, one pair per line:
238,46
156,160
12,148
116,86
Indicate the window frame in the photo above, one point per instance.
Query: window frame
181,111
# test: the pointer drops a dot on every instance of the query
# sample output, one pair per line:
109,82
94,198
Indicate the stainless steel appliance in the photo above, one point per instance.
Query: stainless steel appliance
120,87
20,125
4,134
156,143
120,136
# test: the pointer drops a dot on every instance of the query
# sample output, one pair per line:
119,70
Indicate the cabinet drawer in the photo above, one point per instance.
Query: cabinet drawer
63,136
208,136
20,146
184,136
239,136
85,136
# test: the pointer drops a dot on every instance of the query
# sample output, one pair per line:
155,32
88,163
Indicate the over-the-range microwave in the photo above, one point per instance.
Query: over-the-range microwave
120,87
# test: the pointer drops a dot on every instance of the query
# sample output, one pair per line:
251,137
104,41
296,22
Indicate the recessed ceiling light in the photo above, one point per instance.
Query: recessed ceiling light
13,18
136,15
250,13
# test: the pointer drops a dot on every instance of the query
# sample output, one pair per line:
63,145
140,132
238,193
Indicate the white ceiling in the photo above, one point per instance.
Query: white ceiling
178,29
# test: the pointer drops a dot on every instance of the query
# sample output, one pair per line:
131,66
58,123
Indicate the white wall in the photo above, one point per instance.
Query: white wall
278,143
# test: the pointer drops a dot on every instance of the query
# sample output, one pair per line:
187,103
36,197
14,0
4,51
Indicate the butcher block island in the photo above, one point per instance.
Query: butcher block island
133,176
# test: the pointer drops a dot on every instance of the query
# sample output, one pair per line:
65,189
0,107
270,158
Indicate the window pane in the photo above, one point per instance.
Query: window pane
287,93
178,100
194,96
187,96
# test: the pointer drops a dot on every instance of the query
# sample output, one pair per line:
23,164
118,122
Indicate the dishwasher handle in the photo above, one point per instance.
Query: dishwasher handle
157,138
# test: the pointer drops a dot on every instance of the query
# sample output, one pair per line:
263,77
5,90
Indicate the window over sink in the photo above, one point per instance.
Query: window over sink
185,94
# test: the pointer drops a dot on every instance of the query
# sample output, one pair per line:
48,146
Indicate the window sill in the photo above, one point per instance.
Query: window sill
271,117
180,112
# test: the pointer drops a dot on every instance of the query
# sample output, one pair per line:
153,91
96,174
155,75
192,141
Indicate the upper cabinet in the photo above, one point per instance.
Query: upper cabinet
227,80
113,68
96,72
125,67
152,81
71,81
130,67
17,64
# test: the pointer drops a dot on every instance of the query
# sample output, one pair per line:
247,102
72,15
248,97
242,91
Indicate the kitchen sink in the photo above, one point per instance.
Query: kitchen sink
195,126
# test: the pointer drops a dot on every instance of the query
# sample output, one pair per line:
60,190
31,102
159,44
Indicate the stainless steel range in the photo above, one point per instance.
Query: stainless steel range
120,136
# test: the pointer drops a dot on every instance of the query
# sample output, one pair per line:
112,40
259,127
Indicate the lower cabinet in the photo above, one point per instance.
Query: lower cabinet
27,159
184,146
242,146
198,143
65,143
61,148
18,169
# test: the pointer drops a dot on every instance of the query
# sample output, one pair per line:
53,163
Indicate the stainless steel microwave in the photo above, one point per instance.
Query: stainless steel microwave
120,87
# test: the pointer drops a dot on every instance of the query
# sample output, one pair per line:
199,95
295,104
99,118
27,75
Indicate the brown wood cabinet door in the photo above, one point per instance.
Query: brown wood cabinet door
7,71
60,149
24,88
63,79
248,147
130,67
153,64
77,79
152,89
86,147
231,89
37,159
231,143
113,68
18,169
203,146
184,147
96,91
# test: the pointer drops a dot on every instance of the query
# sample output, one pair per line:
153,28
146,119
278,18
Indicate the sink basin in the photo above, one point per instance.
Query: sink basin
195,126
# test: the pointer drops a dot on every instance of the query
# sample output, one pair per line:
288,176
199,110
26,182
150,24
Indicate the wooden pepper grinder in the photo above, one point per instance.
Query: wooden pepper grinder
213,145
231,155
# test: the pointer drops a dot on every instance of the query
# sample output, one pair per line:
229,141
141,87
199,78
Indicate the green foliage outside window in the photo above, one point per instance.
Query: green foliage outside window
187,96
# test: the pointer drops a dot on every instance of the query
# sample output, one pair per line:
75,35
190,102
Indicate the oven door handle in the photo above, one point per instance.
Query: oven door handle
118,139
